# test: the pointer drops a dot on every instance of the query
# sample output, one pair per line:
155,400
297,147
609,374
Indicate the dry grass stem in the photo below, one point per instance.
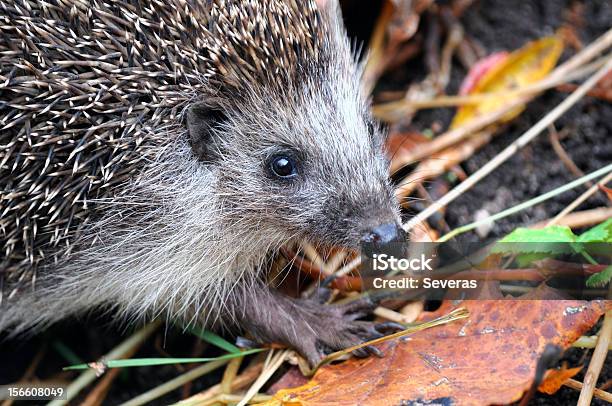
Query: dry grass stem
553,137
590,192
231,370
275,362
579,219
175,383
456,314
503,156
245,378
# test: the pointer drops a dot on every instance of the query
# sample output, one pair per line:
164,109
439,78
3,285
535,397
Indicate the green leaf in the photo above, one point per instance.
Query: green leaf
600,279
215,340
599,233
142,362
548,234
536,244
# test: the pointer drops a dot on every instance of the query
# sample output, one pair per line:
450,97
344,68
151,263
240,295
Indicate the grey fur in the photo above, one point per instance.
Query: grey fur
150,228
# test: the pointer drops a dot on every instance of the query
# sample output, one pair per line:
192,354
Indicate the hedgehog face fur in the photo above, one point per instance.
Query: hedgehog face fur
155,153
306,166
321,128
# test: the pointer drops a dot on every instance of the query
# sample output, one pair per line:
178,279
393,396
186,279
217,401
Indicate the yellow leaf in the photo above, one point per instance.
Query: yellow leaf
521,68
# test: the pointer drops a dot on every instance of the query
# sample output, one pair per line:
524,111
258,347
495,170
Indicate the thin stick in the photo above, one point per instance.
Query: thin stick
349,267
374,66
313,255
232,399
600,394
89,375
553,137
597,361
513,148
591,51
334,262
392,315
98,393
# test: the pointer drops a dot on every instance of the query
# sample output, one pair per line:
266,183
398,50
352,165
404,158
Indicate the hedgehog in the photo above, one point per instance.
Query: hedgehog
154,155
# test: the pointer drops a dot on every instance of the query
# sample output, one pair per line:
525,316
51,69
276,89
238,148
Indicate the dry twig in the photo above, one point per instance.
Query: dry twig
598,393
597,361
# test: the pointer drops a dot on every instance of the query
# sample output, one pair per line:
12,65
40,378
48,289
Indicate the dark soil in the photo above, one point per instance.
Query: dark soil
499,25
89,340
507,25
495,25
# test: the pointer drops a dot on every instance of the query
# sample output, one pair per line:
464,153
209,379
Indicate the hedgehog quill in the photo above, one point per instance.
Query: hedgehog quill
155,154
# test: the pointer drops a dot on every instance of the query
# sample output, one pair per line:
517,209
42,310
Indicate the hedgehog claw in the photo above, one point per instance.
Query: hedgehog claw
389,327
315,329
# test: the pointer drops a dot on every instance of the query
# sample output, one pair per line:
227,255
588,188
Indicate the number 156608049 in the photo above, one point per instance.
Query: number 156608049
32,392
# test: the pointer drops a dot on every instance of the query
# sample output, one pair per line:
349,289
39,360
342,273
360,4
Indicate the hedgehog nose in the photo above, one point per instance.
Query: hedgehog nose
384,234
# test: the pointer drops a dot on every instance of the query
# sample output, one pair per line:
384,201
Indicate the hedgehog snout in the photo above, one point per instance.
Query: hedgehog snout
384,234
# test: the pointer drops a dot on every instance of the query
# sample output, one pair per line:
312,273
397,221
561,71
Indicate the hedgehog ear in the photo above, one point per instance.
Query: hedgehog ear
202,123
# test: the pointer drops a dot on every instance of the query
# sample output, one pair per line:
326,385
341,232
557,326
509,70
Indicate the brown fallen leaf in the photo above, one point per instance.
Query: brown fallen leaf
291,379
555,378
399,143
488,358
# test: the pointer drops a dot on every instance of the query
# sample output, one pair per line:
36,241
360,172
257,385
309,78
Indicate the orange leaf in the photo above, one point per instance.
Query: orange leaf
440,162
488,358
399,143
606,190
555,378
523,67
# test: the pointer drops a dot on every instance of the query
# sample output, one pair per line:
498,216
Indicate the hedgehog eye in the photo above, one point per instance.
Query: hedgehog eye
283,166
371,128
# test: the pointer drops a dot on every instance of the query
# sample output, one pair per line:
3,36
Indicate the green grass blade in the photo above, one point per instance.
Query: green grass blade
66,352
145,362
215,340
